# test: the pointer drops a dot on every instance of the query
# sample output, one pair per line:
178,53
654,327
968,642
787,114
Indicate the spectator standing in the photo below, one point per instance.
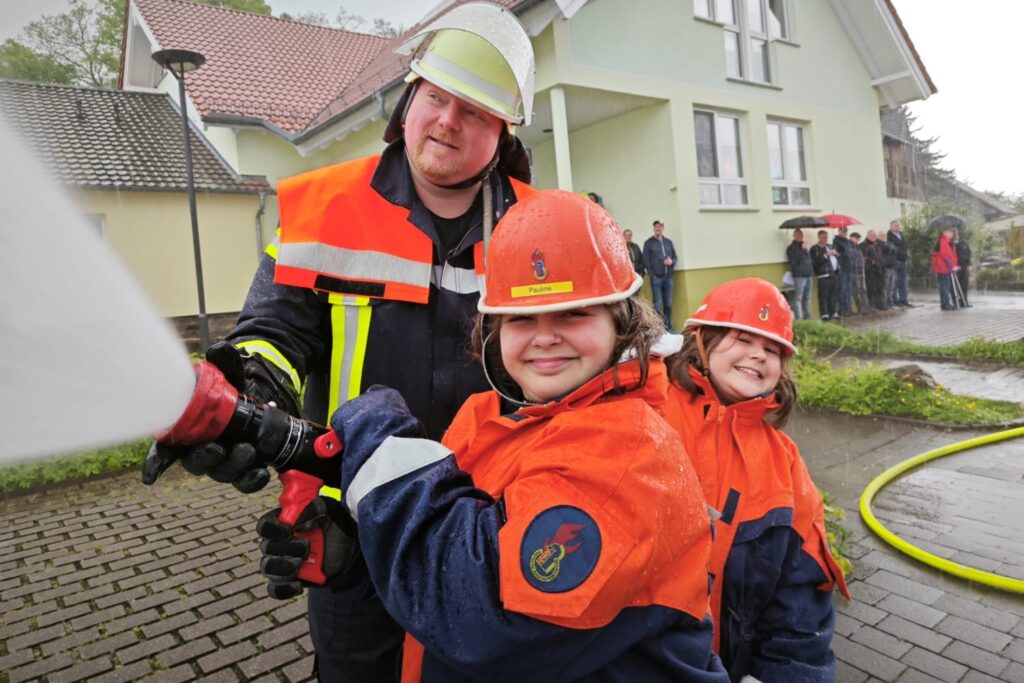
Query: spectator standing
858,290
659,258
888,273
826,265
874,270
944,265
635,253
843,246
898,246
800,267
963,259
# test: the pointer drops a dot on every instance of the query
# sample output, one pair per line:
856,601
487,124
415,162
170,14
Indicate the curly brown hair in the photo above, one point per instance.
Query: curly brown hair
637,326
679,365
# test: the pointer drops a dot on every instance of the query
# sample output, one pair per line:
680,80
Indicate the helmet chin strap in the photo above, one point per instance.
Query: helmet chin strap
490,380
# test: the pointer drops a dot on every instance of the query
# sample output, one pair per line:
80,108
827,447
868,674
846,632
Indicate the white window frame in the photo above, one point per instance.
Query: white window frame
717,180
739,29
789,183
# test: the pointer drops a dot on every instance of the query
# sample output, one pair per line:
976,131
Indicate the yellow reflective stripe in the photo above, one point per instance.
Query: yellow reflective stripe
268,351
271,249
350,330
331,493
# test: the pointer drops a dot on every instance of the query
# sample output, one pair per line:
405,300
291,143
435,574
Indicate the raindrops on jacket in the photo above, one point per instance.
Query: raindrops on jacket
85,360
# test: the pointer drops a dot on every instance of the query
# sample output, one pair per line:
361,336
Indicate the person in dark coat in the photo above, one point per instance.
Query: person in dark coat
875,258
841,243
963,259
898,246
803,272
826,267
858,288
636,255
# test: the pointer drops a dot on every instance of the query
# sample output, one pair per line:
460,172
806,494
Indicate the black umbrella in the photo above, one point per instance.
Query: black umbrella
945,222
803,222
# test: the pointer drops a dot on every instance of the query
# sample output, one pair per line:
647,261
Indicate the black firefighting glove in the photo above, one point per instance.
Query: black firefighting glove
233,463
285,554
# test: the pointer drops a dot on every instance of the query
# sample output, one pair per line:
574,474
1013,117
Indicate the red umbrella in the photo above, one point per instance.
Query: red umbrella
839,220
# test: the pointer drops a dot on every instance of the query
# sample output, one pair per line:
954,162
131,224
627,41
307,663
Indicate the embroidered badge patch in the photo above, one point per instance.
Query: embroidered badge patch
560,549
763,315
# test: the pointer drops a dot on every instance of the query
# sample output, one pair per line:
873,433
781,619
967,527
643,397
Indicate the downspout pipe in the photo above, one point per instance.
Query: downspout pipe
259,225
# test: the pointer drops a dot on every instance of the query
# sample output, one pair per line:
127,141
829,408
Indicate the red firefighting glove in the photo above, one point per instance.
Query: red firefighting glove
232,463
285,553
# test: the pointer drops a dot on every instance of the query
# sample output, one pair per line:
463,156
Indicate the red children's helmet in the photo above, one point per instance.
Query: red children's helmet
750,304
553,251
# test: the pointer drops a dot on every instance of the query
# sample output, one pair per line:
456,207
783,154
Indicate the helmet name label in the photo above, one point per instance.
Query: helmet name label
542,289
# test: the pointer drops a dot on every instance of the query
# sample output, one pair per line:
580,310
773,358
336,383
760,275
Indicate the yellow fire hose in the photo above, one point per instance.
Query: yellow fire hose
999,581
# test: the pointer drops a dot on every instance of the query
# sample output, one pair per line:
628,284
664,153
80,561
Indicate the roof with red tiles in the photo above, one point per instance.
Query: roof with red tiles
257,66
104,139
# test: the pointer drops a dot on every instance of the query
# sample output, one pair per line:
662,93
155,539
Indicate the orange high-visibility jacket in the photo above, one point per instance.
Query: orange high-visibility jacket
565,540
773,572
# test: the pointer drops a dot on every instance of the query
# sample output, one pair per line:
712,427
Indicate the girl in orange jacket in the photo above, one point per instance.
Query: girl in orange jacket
558,532
773,572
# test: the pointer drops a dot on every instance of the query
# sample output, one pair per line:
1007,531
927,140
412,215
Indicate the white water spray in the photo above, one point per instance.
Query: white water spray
85,360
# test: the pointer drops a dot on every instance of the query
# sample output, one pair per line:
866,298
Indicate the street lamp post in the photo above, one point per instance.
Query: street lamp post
179,62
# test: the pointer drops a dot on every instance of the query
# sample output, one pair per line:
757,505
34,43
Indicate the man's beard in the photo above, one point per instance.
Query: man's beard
430,165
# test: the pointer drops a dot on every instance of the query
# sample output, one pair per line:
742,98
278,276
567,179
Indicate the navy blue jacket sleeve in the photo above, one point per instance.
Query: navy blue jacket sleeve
430,539
777,626
292,319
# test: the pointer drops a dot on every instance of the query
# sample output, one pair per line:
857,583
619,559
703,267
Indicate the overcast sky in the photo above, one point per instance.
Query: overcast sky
972,51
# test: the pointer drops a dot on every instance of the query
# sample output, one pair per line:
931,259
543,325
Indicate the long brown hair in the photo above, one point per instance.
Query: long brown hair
637,326
679,365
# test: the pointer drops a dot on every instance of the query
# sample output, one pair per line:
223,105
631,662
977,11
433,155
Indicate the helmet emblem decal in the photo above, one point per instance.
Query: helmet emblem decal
540,271
763,315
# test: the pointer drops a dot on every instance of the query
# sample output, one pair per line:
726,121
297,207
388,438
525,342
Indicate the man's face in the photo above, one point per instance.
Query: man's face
872,235
449,139
822,237
894,226
659,229
855,240
798,236
628,234
841,232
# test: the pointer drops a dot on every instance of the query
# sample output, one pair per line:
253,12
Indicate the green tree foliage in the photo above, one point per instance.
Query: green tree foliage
72,39
23,63
1015,241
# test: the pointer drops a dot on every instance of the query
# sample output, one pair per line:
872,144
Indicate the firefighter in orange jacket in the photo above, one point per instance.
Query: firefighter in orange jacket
773,572
559,533
374,279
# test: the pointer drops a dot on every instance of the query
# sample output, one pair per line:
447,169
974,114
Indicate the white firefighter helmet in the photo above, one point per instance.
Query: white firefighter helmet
480,53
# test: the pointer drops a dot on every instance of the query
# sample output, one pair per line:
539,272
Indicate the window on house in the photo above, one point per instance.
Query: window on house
719,159
749,26
788,164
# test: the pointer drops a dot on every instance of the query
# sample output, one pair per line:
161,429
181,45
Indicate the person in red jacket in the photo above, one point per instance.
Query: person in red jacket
773,572
558,531
945,266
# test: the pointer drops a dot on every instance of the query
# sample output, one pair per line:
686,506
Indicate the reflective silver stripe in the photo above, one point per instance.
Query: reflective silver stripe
458,280
470,79
352,263
350,324
394,458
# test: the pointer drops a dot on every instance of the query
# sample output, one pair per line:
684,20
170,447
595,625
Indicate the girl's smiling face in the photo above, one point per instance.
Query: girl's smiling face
550,354
744,365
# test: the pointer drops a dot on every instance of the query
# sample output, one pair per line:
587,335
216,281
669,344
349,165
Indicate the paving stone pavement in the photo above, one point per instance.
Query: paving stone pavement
108,580
996,316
